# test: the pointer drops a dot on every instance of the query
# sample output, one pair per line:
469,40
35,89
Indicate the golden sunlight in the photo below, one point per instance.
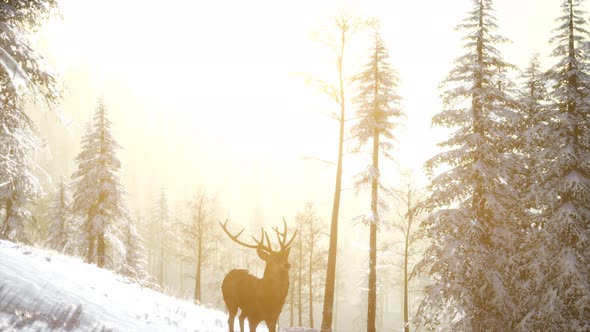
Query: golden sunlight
225,102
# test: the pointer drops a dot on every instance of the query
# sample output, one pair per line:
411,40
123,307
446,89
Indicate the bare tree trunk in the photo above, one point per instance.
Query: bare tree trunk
310,280
197,297
300,279
406,253
161,262
292,302
331,268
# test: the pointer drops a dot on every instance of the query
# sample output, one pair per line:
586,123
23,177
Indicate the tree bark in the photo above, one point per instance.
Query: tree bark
372,296
310,280
6,226
197,297
300,279
101,250
331,268
406,314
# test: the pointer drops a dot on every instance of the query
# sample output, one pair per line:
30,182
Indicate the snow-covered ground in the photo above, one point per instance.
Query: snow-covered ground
46,291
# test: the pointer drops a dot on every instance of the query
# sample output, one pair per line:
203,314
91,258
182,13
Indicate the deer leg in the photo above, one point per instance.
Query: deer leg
232,318
272,325
230,322
242,317
253,324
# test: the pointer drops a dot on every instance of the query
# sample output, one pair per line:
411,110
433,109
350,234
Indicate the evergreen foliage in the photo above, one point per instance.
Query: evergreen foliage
98,193
63,223
377,105
472,203
563,182
134,261
23,76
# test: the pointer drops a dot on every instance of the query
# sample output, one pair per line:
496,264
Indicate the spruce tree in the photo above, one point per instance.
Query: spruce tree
160,234
24,76
18,184
62,228
98,193
471,204
378,108
527,275
22,68
134,261
563,190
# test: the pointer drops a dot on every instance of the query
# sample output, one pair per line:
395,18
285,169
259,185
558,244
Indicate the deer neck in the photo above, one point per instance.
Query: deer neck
276,284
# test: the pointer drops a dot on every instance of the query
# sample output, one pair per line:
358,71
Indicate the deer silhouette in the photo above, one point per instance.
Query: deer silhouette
260,299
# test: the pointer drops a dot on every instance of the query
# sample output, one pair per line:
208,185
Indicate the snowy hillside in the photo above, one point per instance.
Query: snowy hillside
45,291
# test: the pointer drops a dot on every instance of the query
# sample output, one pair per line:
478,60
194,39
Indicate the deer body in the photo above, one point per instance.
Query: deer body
259,299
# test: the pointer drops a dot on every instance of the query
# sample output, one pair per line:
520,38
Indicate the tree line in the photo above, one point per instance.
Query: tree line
507,220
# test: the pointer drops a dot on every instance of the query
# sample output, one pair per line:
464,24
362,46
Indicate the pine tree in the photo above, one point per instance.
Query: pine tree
23,70
527,275
470,226
63,224
530,126
18,185
159,240
23,76
134,261
98,193
378,107
563,189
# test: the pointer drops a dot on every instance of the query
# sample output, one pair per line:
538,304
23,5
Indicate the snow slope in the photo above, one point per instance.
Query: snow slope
46,291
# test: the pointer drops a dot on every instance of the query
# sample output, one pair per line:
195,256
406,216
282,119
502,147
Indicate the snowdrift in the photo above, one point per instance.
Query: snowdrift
46,291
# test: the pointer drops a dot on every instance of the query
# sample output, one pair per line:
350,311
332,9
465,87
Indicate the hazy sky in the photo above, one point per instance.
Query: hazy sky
211,93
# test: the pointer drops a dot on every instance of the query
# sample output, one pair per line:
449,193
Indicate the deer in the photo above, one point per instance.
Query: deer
260,299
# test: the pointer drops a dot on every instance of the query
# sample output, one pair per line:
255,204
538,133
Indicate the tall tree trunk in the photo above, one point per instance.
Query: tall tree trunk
90,233
161,258
331,268
406,315
6,226
300,280
197,297
101,250
372,296
310,281
292,302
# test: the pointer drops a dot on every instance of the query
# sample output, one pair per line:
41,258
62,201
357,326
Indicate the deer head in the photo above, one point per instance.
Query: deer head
260,299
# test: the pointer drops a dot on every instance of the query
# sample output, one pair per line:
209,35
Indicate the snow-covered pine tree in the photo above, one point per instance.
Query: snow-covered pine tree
532,100
527,276
62,227
563,189
23,76
134,261
24,68
98,193
471,204
377,105
159,235
18,184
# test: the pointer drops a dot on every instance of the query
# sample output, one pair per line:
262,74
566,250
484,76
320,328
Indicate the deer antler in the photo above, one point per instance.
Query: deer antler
282,242
259,243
